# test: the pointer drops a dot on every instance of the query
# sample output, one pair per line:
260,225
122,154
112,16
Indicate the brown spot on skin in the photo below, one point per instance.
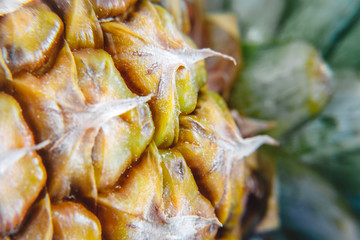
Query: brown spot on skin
141,54
152,69
179,169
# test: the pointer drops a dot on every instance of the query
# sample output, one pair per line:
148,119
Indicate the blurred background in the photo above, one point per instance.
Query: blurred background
297,80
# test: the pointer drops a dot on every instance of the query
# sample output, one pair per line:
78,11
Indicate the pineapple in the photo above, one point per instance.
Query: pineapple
108,129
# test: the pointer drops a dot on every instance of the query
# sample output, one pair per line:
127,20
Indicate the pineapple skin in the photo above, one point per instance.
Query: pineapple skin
103,100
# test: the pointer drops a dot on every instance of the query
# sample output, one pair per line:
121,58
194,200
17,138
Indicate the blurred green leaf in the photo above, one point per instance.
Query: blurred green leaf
317,21
287,84
310,208
258,18
331,142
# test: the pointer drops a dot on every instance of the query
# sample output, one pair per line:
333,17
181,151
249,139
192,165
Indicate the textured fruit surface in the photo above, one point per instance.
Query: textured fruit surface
22,173
143,205
111,8
39,225
82,29
81,156
26,45
73,221
155,58
211,127
108,129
